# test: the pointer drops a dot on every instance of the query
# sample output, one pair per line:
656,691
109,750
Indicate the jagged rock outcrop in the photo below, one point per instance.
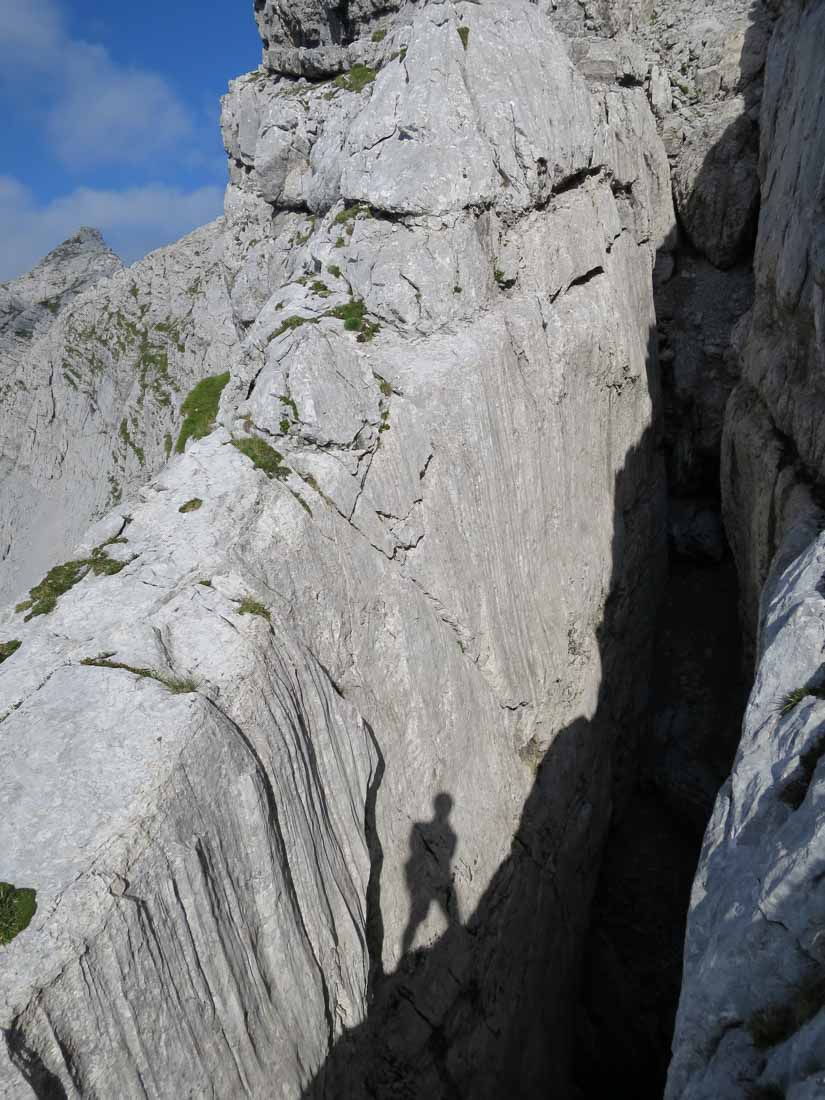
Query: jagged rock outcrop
92,396
29,304
417,559
751,1012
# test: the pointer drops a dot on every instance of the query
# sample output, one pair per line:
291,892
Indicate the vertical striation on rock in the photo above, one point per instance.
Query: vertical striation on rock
414,565
751,1012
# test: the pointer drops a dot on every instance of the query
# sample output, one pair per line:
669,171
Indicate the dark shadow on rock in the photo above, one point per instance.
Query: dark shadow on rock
633,960
563,983
488,1010
428,871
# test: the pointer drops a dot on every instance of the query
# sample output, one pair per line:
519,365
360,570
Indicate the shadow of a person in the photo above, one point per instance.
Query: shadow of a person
428,870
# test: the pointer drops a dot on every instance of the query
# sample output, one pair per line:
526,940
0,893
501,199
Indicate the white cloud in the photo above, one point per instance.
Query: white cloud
96,111
133,221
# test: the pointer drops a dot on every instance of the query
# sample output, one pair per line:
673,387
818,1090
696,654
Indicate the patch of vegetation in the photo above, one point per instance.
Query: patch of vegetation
384,386
191,505
340,243
263,456
168,444
248,606
176,685
532,755
357,79
52,305
501,278
350,215
291,323
205,583
464,35
59,580
321,289
127,439
334,270
200,409
798,695
17,907
402,54
385,422
302,238
7,648
284,425
353,314
301,501
379,36
772,1025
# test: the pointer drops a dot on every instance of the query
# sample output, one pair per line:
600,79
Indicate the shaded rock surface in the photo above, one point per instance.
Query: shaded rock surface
751,1011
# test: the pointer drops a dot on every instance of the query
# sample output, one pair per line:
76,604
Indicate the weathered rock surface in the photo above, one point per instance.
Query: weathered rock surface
750,1018
91,398
751,1014
435,583
29,304
773,437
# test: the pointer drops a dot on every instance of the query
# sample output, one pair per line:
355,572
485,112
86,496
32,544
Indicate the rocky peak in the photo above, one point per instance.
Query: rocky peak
29,303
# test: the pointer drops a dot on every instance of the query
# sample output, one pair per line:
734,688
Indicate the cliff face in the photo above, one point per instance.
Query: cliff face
307,676
332,741
751,1013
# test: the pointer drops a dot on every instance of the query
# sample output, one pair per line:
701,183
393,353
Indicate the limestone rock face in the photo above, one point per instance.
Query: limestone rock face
750,1019
29,304
91,398
773,436
751,1012
396,593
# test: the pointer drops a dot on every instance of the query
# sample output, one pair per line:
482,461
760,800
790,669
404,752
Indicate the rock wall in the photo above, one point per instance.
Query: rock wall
751,1011
341,729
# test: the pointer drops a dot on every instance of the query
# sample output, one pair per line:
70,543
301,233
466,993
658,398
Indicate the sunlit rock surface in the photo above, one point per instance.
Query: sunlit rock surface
217,760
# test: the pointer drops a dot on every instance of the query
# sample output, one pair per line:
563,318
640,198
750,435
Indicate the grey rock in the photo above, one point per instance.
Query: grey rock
91,404
716,185
226,867
750,1015
29,304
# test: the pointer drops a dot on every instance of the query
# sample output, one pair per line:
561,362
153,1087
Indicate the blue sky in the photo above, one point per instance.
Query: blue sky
110,118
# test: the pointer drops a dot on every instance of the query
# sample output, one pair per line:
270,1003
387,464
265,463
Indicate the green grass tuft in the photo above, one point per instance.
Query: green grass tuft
292,323
357,79
353,314
798,695
248,606
17,907
464,35
334,270
174,684
7,648
191,505
266,458
321,289
379,36
59,580
200,409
